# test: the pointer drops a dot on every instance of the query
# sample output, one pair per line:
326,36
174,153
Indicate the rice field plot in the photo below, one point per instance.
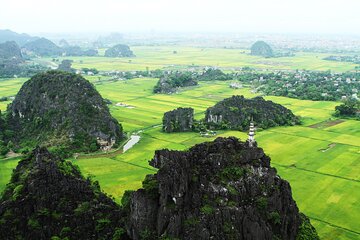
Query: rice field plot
113,175
6,169
326,199
9,87
320,134
124,90
317,155
349,126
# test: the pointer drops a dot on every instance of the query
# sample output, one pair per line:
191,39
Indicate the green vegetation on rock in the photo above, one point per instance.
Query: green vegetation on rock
60,110
42,201
212,74
172,82
237,112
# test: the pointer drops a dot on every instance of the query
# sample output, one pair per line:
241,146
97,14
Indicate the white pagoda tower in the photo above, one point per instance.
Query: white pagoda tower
251,138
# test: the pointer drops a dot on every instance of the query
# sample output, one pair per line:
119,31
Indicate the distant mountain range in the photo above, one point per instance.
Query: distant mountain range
40,46
19,38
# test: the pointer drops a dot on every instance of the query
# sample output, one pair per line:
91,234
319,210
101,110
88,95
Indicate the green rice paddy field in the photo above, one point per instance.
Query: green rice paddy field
156,57
320,158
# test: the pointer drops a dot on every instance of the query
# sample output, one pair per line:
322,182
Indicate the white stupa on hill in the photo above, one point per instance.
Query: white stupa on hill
251,138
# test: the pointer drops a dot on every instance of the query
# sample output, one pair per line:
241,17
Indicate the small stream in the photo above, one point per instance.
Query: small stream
132,141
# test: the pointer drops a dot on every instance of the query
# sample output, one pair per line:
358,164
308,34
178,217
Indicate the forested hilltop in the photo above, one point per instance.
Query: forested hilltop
261,48
237,112
43,47
61,110
119,50
170,83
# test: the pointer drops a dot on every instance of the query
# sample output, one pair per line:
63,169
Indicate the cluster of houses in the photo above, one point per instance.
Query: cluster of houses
329,86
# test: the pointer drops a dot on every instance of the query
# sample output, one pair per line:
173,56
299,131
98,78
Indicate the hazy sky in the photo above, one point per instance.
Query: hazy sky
295,16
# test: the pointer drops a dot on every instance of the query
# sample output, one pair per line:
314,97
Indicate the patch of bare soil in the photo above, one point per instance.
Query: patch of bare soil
326,124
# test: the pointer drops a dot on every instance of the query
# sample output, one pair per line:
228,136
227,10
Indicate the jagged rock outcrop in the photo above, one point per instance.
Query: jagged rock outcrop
172,82
216,190
236,113
48,197
261,48
120,50
178,120
61,109
43,47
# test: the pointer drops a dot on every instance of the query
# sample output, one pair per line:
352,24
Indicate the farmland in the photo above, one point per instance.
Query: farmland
157,57
321,161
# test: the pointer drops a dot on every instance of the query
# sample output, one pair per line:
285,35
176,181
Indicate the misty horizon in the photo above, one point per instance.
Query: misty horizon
160,16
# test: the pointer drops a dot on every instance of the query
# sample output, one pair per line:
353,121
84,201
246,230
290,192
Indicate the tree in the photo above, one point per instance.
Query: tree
349,108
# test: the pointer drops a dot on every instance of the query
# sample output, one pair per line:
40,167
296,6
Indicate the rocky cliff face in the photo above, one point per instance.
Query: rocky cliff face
237,111
120,50
178,120
48,197
261,48
58,108
218,190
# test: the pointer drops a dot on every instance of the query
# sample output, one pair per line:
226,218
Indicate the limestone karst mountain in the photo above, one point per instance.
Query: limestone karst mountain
11,59
170,83
48,198
213,74
20,38
42,47
10,51
119,50
216,190
261,48
61,109
178,120
236,112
